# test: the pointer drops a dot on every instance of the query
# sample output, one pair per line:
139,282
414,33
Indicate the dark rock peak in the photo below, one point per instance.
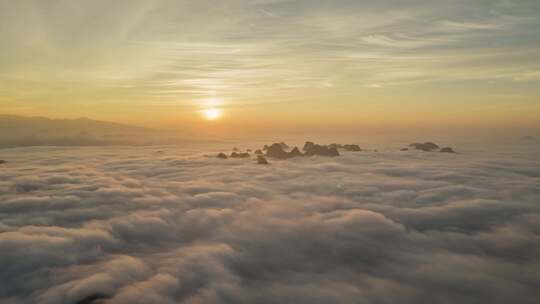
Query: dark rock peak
284,146
276,151
259,152
265,148
222,155
427,146
431,145
235,149
296,152
331,152
447,150
261,160
352,148
346,147
308,145
321,150
239,155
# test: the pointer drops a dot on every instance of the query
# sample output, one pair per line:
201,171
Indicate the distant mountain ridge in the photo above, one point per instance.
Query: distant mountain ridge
19,131
83,122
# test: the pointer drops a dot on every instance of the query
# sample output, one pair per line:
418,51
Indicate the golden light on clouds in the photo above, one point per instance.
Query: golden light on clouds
212,114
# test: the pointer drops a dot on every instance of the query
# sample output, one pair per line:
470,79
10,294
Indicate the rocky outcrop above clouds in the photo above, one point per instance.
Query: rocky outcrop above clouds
346,147
447,150
295,153
280,150
277,151
240,155
261,160
352,148
308,145
311,149
429,147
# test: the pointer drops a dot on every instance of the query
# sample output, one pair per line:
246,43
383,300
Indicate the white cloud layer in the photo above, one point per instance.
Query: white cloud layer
128,225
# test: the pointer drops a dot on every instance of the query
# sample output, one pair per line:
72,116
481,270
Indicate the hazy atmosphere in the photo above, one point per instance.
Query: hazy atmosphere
269,151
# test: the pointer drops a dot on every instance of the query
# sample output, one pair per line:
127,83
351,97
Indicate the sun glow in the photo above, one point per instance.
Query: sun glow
212,113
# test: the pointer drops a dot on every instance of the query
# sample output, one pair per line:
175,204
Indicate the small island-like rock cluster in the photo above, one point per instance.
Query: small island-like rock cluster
240,155
261,160
283,151
2,161
311,149
429,147
350,148
447,150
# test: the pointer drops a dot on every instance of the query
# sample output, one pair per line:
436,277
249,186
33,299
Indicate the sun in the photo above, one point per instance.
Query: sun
212,113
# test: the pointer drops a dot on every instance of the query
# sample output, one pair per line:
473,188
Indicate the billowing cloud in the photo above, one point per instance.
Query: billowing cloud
127,225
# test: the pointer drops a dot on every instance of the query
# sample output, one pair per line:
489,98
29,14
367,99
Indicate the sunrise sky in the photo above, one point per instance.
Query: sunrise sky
273,62
269,151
